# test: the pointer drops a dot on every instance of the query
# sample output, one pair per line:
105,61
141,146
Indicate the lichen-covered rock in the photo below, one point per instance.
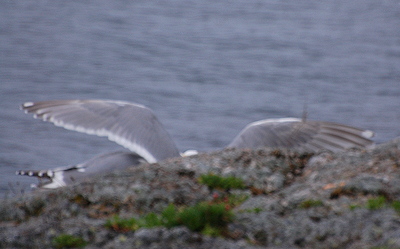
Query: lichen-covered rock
296,200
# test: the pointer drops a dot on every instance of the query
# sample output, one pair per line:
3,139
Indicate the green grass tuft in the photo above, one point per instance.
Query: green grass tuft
396,206
255,210
376,203
205,217
168,216
354,206
310,203
68,241
234,200
220,182
122,225
209,217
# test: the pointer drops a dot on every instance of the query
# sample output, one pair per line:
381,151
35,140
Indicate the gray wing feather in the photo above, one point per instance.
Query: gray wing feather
130,125
63,176
305,135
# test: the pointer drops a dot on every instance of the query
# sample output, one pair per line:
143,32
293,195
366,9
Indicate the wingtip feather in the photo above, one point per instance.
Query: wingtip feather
27,104
367,134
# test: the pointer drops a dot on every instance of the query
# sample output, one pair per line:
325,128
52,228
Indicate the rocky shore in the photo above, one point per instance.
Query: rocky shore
289,200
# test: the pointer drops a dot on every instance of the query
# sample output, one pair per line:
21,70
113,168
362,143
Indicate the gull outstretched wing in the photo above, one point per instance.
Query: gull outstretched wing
305,135
130,125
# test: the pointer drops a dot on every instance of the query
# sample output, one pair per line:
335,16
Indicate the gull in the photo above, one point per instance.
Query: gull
136,128
63,176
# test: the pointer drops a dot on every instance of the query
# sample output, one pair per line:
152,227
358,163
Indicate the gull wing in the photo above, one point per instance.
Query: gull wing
104,163
131,125
304,135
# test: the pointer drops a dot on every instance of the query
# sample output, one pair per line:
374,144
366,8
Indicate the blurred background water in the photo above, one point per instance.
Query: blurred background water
206,68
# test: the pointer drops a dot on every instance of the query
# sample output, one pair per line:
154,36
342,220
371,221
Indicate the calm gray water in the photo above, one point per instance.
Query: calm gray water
206,68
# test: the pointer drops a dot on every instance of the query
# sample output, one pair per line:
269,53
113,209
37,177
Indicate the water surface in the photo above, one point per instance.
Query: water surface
206,68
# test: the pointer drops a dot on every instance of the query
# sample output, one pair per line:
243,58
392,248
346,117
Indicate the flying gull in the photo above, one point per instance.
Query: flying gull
136,128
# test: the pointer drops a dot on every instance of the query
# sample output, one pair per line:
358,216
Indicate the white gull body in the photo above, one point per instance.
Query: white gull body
135,127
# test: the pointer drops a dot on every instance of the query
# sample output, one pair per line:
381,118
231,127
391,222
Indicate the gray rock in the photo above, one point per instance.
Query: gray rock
295,201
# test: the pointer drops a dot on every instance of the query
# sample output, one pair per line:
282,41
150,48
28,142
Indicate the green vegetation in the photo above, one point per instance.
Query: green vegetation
208,217
122,225
354,206
205,217
310,203
376,203
68,241
255,210
381,202
220,182
233,200
168,218
396,206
